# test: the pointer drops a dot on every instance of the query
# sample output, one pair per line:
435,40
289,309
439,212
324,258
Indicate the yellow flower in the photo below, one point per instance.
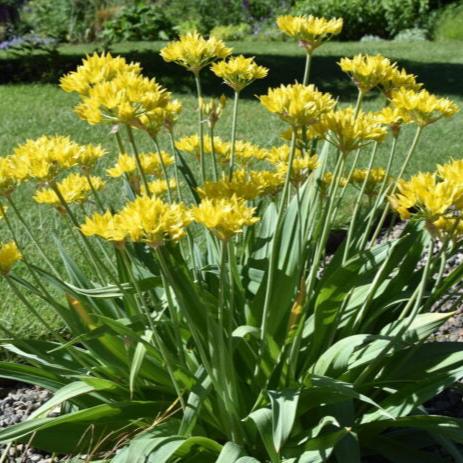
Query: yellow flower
327,179
304,136
399,79
238,72
194,52
94,70
153,121
123,99
451,171
213,109
44,157
374,178
390,117
225,217
310,31
149,161
367,72
190,144
244,184
106,226
426,196
89,155
422,107
347,132
152,221
9,255
297,104
301,169
8,176
159,187
74,188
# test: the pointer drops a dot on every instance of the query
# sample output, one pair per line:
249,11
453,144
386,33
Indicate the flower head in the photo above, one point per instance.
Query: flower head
244,184
348,132
94,70
123,99
8,176
238,72
367,72
191,145
106,226
75,188
392,118
89,155
225,217
163,116
44,157
373,177
194,52
397,79
213,109
9,255
159,187
150,163
310,31
422,107
297,104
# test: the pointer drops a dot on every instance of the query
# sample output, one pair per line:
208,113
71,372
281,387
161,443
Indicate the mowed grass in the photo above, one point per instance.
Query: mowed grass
31,110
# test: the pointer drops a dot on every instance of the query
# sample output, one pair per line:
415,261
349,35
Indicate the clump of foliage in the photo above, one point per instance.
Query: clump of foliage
211,325
449,23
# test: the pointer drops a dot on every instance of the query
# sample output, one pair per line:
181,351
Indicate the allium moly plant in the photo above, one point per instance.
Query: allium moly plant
211,323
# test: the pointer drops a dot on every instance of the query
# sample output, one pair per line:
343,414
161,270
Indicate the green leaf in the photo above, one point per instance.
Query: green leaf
284,407
74,432
263,420
230,453
137,361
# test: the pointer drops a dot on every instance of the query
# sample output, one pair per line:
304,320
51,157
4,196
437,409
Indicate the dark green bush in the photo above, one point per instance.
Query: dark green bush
383,18
140,21
449,23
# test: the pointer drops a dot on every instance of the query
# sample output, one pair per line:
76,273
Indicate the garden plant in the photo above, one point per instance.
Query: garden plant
212,322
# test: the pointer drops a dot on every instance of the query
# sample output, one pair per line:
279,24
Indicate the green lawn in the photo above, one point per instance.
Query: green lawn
31,109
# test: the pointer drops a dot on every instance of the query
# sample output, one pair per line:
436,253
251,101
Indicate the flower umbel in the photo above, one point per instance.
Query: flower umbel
238,72
298,105
9,255
310,31
225,217
194,52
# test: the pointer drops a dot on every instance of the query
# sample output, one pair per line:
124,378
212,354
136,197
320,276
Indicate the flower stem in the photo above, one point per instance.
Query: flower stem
202,159
308,65
233,135
164,169
137,159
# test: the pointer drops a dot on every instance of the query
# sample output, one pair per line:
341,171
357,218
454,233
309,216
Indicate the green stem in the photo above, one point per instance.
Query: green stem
137,159
394,189
94,192
358,104
214,155
177,177
120,145
163,167
202,159
358,203
233,135
308,65
31,236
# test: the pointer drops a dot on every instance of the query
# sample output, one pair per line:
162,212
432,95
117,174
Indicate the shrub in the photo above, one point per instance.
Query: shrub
232,32
384,18
140,21
449,23
211,325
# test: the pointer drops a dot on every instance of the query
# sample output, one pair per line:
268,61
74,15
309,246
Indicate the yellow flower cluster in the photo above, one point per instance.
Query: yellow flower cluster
368,72
436,198
374,178
194,52
162,116
123,99
150,163
225,217
310,31
213,109
244,151
348,132
392,118
75,188
94,70
422,107
159,187
298,105
302,165
327,179
89,155
147,220
9,255
44,157
8,176
238,72
244,184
